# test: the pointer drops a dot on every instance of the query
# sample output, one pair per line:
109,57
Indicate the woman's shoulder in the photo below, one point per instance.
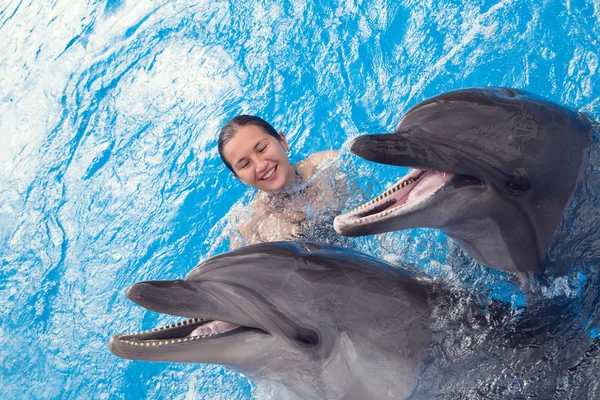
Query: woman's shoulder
307,167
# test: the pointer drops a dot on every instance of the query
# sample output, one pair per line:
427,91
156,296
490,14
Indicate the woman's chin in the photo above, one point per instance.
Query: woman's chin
273,188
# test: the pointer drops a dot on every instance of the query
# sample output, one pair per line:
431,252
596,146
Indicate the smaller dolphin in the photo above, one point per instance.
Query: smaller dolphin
493,168
324,322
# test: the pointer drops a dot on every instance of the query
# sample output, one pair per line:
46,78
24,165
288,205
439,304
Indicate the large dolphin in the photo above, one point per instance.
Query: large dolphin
493,168
320,321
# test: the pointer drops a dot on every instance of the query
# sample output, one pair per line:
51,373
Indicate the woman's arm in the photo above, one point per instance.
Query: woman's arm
240,238
321,157
310,164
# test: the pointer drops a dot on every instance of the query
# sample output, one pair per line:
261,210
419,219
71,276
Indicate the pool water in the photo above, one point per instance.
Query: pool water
109,172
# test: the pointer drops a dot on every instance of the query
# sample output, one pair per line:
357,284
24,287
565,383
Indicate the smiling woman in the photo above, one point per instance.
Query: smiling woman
256,154
295,201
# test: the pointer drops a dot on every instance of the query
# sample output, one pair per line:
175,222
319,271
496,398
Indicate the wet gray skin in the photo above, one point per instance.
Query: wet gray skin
493,168
321,321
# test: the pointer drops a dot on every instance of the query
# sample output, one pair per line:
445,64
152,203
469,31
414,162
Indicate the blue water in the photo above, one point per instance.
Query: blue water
109,172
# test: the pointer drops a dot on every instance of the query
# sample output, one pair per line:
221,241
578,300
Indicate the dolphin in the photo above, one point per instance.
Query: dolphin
493,168
319,321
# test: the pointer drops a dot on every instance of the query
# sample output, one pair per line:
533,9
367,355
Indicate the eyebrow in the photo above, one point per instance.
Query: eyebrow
254,148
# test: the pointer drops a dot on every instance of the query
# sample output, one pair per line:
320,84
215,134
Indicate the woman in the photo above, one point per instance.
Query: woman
296,202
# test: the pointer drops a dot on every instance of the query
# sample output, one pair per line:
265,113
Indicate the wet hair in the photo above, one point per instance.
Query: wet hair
229,130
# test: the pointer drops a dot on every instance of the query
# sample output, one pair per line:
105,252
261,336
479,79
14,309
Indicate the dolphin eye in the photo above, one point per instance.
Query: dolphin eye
518,185
307,338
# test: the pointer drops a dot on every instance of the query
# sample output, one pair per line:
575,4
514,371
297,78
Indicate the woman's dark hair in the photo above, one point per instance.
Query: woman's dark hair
229,130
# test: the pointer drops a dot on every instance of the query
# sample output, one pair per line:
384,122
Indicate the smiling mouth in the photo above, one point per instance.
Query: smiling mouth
192,330
405,195
269,174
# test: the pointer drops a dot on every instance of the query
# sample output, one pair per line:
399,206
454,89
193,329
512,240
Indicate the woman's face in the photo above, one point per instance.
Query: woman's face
259,159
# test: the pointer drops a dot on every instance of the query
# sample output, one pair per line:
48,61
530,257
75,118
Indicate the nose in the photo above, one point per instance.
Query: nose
261,165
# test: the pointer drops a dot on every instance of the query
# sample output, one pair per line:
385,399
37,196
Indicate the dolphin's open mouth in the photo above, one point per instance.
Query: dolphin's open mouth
405,195
190,330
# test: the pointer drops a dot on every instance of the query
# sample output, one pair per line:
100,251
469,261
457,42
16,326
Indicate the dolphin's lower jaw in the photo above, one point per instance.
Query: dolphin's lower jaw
179,342
414,192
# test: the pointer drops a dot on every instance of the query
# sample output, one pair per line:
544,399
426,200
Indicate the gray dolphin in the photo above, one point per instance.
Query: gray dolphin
493,168
321,321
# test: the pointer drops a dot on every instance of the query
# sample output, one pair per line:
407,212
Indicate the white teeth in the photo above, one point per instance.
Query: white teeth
268,174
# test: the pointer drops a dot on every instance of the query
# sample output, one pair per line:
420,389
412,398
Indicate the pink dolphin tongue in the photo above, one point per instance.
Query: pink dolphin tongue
213,327
428,184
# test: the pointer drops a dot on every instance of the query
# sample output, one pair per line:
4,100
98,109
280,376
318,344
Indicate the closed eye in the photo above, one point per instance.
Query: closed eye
244,165
263,149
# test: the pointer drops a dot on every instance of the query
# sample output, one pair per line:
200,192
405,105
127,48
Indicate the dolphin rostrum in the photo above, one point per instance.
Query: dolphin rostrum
321,321
493,168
